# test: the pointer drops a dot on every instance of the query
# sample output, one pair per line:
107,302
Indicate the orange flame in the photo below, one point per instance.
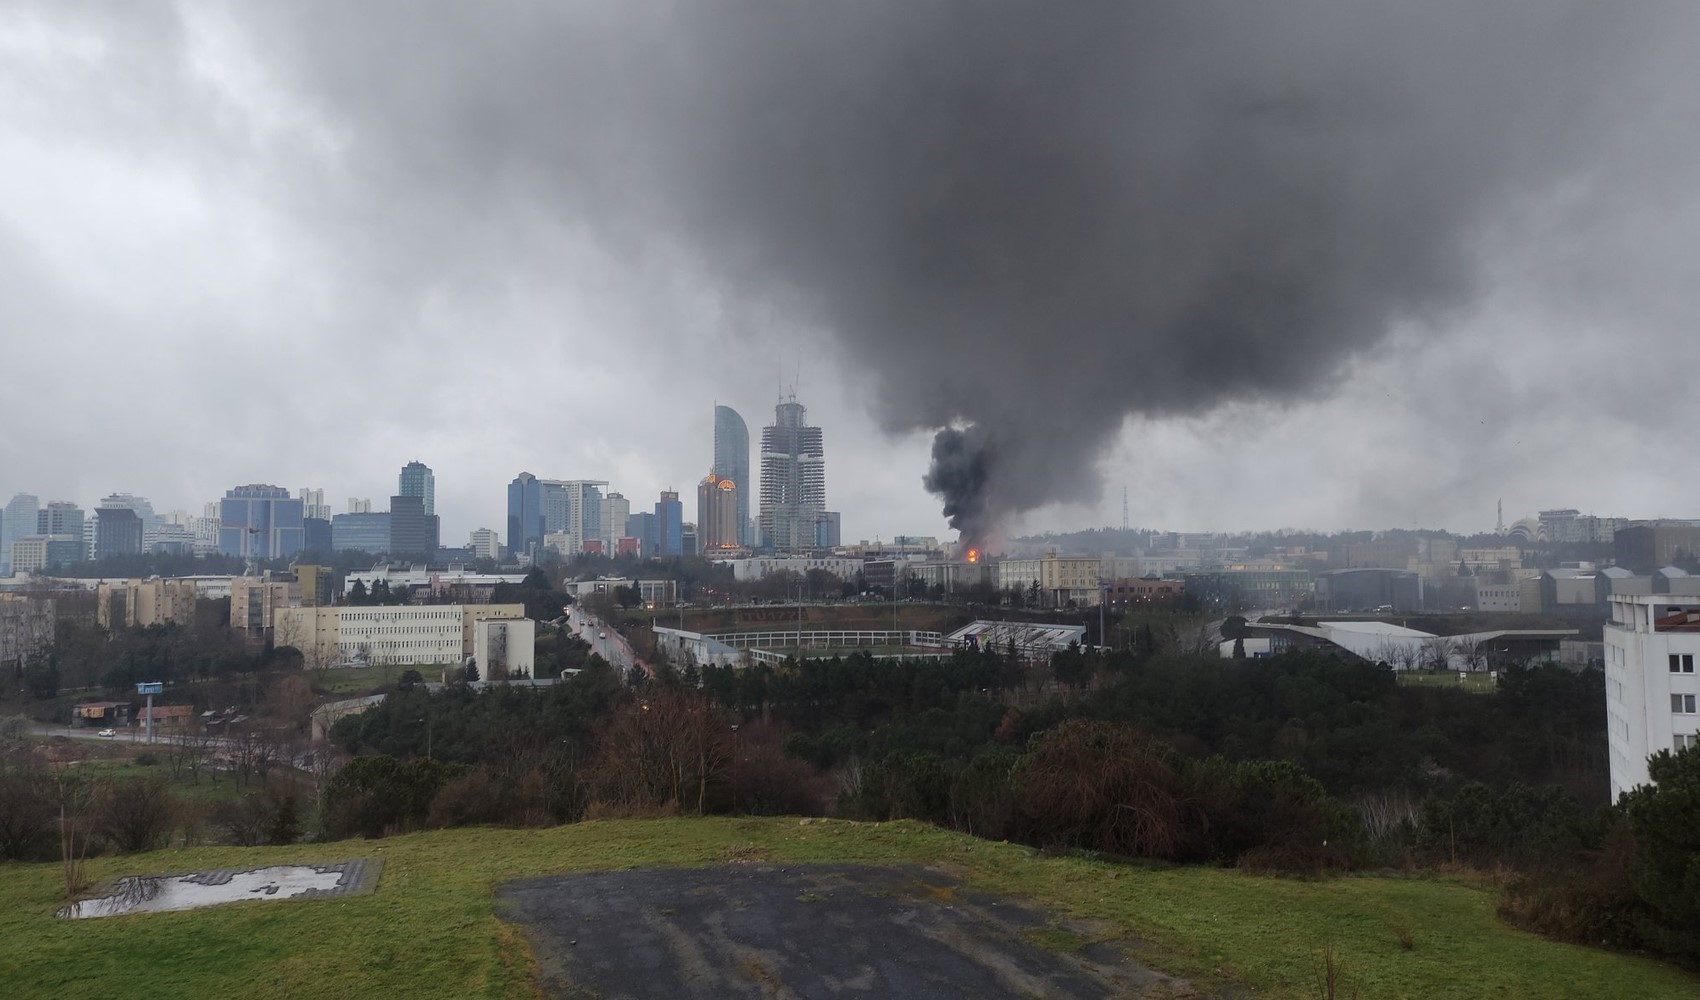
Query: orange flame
973,555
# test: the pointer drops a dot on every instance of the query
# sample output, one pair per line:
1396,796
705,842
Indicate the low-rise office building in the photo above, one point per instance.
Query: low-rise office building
408,634
141,603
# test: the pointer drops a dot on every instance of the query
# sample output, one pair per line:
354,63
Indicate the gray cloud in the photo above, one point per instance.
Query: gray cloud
1037,224
1029,219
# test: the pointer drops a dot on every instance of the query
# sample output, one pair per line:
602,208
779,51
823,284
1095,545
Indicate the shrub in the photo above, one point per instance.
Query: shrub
1106,788
372,796
137,814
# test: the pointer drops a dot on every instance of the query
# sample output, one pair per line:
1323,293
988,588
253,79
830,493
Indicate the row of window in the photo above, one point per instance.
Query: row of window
1682,664
1682,704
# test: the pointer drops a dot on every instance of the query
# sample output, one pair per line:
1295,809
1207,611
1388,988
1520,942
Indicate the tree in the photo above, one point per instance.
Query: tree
357,596
471,673
1665,817
136,815
1239,647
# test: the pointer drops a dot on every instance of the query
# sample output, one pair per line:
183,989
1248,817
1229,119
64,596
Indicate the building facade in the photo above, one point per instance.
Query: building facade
485,544
313,503
1652,643
430,635
793,480
669,526
732,461
117,532
258,521
417,480
363,532
717,514
616,509
525,516
413,532
17,521
26,629
142,603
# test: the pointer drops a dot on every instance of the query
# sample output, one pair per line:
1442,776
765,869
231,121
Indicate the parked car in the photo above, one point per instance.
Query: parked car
107,733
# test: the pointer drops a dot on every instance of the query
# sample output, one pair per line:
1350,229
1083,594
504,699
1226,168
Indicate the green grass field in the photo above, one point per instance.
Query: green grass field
1477,681
429,930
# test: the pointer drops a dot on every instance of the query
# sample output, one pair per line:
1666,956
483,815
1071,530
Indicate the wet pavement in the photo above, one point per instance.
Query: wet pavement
808,931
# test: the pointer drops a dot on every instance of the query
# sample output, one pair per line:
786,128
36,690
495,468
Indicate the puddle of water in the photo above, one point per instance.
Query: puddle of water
160,893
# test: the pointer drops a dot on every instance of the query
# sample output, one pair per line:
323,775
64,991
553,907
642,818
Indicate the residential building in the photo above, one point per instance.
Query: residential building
525,516
26,629
17,521
793,480
455,583
485,544
142,603
413,532
429,635
313,504
732,461
319,585
1499,597
260,522
669,525
651,593
117,532
358,505
367,531
504,648
1572,527
718,523
417,480
256,600
1652,642
144,512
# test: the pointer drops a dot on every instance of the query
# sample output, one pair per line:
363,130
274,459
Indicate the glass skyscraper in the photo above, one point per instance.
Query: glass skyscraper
732,461
525,515
417,480
260,522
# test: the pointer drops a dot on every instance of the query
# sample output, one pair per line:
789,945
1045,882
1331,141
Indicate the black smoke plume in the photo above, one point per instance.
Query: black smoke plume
1030,219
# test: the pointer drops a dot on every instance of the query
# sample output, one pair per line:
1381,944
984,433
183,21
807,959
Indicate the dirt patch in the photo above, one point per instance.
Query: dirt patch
758,930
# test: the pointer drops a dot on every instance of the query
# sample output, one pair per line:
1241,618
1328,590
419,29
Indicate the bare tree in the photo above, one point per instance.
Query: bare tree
78,797
137,814
1435,653
1471,650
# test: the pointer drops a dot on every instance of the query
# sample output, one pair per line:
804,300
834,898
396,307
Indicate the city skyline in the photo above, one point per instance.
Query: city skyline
1555,295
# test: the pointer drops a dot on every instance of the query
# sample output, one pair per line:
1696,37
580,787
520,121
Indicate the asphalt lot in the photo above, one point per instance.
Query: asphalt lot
806,931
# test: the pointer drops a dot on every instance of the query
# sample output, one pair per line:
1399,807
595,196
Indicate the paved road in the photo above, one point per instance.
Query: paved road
614,648
805,931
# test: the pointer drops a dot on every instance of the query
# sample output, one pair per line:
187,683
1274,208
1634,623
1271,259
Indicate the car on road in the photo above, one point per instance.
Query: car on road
107,733
602,635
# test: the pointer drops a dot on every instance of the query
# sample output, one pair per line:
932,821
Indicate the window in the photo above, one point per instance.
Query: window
1681,742
1683,664
1682,704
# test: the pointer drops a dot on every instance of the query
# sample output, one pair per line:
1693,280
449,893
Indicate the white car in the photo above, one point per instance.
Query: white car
602,635
106,733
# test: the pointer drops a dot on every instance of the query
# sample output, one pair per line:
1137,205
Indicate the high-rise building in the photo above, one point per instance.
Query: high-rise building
413,533
358,505
259,521
717,514
641,526
16,521
485,544
525,516
793,480
669,525
616,509
313,504
151,521
59,518
732,461
417,480
117,532
573,507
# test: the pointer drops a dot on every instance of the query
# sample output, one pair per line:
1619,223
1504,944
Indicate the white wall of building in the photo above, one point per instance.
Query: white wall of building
1649,706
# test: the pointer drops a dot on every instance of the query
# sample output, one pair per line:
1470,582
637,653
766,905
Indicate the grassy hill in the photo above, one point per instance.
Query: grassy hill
429,930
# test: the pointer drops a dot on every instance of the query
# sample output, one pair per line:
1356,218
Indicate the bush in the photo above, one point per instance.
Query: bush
372,796
1106,788
138,814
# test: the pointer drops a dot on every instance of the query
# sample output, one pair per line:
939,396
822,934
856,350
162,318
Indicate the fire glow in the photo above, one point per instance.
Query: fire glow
973,555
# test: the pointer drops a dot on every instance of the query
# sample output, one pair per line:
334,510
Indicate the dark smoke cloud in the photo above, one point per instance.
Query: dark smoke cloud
1028,219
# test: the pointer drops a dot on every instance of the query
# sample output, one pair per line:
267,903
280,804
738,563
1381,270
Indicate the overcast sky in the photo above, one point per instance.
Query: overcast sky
1319,271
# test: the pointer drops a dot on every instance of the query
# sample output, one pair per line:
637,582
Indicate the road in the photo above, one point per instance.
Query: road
614,648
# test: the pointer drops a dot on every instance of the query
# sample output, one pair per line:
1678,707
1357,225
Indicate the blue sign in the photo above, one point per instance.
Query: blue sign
150,687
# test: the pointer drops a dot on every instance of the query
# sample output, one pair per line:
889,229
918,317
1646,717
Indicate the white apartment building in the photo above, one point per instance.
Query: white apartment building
760,567
1651,644
408,634
1061,578
486,544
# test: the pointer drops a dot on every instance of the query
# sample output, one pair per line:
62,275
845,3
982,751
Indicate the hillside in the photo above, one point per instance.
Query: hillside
430,929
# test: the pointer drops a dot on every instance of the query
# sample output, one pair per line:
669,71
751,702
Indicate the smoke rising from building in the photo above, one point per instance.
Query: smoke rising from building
1027,222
